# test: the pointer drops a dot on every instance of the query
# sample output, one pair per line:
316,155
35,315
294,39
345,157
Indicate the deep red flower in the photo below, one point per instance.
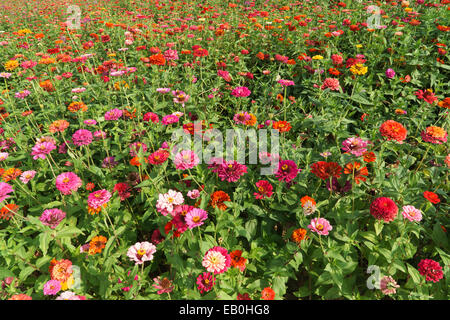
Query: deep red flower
324,170
431,270
383,208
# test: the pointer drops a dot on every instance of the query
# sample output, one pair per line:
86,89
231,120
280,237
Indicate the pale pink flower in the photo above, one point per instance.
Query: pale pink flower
186,159
141,252
411,213
321,226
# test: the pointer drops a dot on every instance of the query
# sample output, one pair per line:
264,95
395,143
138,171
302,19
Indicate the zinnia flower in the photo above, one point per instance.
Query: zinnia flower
68,182
5,190
218,198
320,225
52,217
324,170
141,252
355,146
388,285
163,285
166,201
393,130
195,217
98,198
216,260
432,197
431,270
82,137
205,282
383,208
411,213
186,159
241,92
237,261
433,134
52,287
268,294
287,170
264,189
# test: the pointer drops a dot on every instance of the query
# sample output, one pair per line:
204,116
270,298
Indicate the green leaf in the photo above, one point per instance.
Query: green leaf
415,275
25,273
44,240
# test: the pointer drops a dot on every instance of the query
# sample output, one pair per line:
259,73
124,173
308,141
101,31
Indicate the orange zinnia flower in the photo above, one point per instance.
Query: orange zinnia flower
218,198
282,126
76,106
47,85
8,211
298,235
369,156
97,244
445,103
11,174
357,172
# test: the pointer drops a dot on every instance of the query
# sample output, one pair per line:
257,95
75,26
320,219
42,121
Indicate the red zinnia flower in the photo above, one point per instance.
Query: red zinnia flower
431,270
432,197
264,189
324,170
384,209
237,261
268,294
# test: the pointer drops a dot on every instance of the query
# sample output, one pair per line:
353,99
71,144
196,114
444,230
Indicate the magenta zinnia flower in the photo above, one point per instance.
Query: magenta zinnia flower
321,226
68,182
82,137
52,217
5,189
230,170
98,198
205,282
287,170
241,92
169,119
217,260
141,252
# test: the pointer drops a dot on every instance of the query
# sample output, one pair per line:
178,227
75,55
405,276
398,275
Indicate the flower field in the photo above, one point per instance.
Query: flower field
335,188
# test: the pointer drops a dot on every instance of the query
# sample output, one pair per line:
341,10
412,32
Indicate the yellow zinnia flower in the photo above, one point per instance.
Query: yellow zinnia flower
318,57
11,65
358,69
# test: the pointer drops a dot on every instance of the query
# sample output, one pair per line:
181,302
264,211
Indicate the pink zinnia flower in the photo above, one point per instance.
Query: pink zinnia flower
98,198
411,213
68,182
41,149
426,95
216,260
388,285
390,73
286,83
431,270
205,282
163,285
171,54
193,194
186,159
52,217
26,176
287,170
22,94
224,75
180,96
52,287
169,119
383,208
166,201
195,217
141,252
113,114
82,137
241,92
136,146
321,226
123,189
158,157
355,146
331,83
242,117
5,189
